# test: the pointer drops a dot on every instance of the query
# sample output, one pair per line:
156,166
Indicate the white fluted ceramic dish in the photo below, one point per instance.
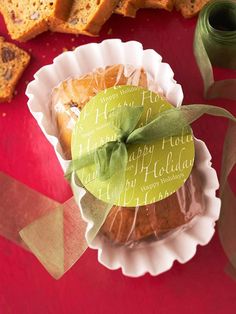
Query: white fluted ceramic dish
156,257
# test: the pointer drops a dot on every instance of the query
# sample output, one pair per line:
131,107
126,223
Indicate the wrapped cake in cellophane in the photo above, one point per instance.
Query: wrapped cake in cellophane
141,182
161,174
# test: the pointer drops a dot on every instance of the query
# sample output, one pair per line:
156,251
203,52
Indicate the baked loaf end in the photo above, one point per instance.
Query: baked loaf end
73,94
127,225
86,17
190,8
13,62
26,19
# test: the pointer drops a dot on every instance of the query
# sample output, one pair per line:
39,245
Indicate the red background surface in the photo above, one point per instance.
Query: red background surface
200,286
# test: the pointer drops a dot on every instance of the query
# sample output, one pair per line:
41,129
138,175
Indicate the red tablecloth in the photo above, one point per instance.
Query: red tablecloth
200,286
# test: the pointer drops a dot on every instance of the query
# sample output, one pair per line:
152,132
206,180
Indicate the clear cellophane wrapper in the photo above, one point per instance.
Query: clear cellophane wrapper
130,238
127,226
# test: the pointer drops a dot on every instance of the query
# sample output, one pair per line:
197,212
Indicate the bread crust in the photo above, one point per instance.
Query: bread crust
190,8
129,8
159,4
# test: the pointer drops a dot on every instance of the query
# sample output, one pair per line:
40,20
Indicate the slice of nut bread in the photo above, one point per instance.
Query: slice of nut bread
86,17
13,62
26,19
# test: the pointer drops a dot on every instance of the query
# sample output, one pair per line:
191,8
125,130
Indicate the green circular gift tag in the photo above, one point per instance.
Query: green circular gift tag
155,170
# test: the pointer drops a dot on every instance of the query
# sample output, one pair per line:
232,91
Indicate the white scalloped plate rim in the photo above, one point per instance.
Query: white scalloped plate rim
108,52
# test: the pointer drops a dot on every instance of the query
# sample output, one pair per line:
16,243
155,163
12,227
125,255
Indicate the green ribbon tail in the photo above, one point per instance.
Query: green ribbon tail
93,211
158,129
226,225
76,164
111,161
193,112
215,45
178,121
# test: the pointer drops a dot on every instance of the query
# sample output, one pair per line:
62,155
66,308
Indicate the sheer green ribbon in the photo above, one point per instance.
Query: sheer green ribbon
227,222
215,45
111,158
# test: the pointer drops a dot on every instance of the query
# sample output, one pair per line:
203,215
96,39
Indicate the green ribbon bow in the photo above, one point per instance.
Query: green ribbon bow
111,158
215,45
